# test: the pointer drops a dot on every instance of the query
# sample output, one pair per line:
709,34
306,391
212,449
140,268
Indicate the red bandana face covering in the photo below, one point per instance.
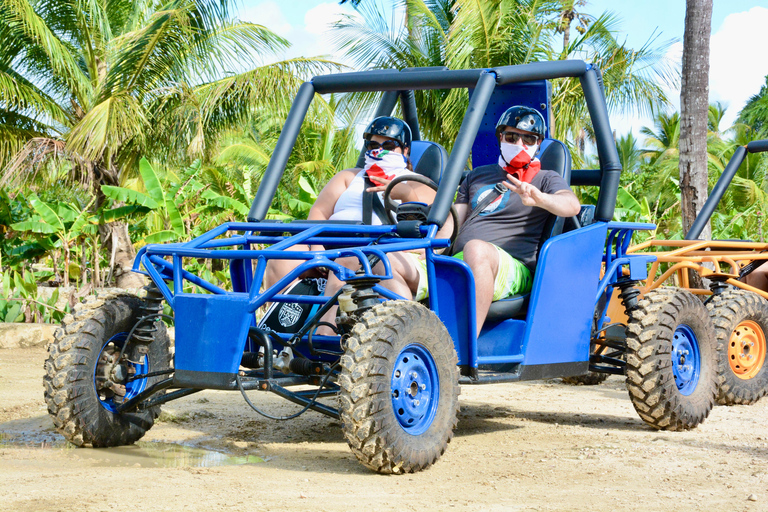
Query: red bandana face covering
516,161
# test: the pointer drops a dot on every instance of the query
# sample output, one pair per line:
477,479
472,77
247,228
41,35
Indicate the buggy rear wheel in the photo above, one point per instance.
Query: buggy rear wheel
741,322
671,359
80,374
399,388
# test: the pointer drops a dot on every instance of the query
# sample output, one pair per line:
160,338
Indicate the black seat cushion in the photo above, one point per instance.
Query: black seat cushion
510,307
428,159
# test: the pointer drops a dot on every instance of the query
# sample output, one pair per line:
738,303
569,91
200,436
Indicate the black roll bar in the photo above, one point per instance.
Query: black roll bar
483,81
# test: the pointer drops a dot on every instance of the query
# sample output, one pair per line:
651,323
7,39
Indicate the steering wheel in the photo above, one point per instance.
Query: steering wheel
391,207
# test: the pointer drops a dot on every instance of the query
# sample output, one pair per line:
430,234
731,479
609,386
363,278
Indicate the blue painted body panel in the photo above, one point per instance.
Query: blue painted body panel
501,342
451,290
211,331
562,303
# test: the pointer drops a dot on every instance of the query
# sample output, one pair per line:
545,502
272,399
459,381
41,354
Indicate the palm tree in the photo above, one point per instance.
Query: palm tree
630,155
755,112
463,34
693,113
100,84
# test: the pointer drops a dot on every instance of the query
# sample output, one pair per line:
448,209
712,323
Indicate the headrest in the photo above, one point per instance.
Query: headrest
428,159
554,156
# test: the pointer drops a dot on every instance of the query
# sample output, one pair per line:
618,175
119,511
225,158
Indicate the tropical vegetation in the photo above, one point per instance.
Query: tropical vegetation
124,123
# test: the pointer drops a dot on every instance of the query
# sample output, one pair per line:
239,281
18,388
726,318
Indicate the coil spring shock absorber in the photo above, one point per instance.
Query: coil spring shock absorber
628,293
144,334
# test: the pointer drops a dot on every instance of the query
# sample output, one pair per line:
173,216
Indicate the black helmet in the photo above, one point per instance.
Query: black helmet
522,118
391,127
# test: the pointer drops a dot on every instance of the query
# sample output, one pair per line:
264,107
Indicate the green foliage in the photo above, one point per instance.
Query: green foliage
20,302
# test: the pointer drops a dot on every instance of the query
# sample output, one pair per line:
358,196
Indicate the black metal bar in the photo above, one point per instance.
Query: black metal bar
410,114
494,378
757,146
596,358
173,395
701,220
310,393
606,369
297,399
250,383
603,342
385,108
610,165
586,177
151,374
460,153
281,153
393,80
133,402
540,71
256,335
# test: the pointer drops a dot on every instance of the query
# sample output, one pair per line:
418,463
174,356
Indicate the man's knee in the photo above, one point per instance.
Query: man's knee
480,253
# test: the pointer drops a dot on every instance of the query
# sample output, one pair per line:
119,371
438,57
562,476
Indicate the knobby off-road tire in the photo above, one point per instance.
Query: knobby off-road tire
77,410
671,359
399,397
741,323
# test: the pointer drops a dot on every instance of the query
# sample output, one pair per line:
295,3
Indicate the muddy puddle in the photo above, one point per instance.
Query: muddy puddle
141,454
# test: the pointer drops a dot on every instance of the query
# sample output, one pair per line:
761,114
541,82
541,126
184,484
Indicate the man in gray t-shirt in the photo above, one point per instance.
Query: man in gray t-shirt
500,243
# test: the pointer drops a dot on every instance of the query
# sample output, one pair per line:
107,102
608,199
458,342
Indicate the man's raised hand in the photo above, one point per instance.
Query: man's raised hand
530,195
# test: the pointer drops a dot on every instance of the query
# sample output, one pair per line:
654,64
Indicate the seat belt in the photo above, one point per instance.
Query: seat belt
497,191
372,205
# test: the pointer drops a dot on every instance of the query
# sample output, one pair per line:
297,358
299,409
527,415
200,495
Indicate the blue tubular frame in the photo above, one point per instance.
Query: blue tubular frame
616,258
152,257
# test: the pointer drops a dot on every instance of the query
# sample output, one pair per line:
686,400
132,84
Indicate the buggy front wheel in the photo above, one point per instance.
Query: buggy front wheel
671,359
86,382
399,388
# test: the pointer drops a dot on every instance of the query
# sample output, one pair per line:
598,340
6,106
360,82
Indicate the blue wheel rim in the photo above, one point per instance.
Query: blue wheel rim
415,388
133,387
686,359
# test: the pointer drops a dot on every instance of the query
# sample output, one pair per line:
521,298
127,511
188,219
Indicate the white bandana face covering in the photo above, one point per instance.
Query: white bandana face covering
380,163
516,155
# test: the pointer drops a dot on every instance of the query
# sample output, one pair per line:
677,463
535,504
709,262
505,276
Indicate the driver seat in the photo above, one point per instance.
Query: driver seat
428,159
554,156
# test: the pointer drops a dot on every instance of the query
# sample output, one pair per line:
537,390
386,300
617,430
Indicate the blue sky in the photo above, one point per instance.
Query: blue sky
738,64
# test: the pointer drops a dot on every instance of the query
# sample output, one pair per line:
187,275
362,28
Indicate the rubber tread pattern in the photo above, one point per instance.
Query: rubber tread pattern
650,379
368,419
70,394
728,310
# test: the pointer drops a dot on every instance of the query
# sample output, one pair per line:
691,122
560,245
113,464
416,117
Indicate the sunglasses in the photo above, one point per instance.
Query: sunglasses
513,137
388,145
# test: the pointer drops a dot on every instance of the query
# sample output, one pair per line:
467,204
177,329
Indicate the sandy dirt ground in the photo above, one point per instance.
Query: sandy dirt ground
529,446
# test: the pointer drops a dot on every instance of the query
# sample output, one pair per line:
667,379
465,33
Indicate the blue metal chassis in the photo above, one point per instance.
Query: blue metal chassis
211,328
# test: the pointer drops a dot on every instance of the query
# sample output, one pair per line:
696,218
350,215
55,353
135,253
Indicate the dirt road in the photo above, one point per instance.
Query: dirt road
531,446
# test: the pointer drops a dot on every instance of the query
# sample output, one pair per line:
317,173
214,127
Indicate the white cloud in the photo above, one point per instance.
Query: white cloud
267,13
320,19
737,68
737,62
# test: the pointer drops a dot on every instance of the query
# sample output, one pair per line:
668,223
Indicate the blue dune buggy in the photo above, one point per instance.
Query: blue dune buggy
396,365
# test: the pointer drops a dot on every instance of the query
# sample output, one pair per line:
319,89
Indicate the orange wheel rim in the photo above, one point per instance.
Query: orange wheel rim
746,349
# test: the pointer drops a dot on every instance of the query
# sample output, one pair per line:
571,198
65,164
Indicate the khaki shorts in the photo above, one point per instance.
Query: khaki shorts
513,277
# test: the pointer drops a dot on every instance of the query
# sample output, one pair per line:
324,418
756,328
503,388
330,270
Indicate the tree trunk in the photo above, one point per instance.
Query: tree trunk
119,243
694,107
